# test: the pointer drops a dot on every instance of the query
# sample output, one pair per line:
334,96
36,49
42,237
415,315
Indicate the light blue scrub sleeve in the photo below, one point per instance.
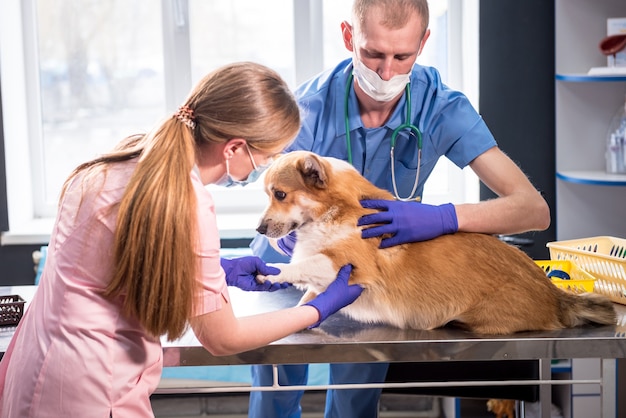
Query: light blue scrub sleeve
262,248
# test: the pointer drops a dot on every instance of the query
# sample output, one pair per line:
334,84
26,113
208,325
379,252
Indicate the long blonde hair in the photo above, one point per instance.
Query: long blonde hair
156,233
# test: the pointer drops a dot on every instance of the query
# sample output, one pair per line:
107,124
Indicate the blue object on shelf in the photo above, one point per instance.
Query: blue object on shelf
559,274
584,78
42,261
597,181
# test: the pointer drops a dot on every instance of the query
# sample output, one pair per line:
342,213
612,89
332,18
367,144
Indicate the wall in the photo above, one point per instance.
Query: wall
16,262
517,94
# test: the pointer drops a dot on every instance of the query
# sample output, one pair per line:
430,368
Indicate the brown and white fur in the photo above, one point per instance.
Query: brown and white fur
472,280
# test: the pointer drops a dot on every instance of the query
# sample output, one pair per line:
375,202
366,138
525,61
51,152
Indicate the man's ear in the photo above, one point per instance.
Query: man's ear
346,33
313,172
423,42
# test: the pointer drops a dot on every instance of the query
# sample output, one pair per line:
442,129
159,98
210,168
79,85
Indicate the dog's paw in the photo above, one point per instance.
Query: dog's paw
275,278
261,278
269,278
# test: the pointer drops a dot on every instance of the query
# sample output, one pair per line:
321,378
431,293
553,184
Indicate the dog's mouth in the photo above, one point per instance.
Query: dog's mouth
294,226
277,230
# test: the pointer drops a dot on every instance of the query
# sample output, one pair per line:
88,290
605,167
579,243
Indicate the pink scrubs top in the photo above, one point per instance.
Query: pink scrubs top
74,353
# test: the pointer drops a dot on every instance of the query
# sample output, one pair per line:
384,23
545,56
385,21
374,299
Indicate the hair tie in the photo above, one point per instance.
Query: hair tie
185,115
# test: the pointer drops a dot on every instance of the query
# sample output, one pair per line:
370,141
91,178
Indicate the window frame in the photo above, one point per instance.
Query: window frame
22,111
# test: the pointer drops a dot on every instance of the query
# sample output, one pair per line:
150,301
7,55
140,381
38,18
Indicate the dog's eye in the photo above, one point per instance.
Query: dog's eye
279,195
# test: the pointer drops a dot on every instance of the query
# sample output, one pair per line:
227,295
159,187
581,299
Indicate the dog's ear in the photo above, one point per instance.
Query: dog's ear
313,172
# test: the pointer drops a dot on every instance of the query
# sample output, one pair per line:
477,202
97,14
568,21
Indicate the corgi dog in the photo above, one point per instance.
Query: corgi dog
470,280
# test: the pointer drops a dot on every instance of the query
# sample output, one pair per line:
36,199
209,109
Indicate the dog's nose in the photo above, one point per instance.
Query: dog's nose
262,229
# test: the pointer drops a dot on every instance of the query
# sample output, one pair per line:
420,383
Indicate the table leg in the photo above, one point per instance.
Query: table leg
545,389
608,394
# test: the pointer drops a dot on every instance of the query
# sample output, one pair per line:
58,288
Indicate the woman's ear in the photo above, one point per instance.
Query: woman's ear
346,33
231,147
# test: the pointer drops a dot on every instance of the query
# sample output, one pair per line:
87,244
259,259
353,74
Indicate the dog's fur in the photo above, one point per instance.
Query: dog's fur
502,408
474,281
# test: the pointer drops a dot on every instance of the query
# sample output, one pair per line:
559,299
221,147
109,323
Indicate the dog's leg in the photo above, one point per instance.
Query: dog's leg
308,296
315,272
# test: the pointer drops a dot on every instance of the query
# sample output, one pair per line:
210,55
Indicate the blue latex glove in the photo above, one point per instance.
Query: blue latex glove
336,296
287,243
407,221
241,272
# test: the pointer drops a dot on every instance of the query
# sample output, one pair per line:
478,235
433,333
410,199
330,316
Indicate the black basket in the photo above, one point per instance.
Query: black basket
11,309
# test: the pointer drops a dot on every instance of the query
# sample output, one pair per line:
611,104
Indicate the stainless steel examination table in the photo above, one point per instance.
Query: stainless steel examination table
340,339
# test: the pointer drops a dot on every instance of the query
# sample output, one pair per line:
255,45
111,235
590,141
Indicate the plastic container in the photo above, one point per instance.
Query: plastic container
603,257
11,309
579,282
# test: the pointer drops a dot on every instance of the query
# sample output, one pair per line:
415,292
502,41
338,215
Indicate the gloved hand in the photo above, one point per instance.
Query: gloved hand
407,221
287,243
241,272
336,296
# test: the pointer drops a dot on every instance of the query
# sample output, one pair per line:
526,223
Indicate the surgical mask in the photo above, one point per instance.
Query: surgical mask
228,181
377,88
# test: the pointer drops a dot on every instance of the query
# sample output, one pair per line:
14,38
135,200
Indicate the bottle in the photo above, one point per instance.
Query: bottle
616,143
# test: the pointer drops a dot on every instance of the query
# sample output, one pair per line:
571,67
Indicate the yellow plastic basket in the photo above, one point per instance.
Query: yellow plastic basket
603,257
579,282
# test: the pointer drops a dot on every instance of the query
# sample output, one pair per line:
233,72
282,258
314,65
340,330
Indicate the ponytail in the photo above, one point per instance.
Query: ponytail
156,235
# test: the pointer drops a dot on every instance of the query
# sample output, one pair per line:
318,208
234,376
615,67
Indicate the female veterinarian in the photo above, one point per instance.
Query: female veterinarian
134,255
393,119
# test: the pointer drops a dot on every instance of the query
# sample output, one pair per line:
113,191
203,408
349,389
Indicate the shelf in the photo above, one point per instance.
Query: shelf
596,178
586,78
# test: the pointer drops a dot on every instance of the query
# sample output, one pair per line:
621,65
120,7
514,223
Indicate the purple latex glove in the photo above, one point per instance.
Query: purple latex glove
336,296
407,221
241,272
287,243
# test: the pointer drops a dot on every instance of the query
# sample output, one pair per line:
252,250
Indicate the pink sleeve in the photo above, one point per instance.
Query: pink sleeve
213,287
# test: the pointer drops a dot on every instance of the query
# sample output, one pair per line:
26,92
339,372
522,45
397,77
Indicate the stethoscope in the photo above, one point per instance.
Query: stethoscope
413,130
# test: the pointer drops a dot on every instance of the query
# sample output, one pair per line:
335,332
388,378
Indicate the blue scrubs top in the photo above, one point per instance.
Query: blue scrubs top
449,124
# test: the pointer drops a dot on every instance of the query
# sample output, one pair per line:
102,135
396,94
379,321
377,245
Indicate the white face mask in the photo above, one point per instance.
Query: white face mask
377,88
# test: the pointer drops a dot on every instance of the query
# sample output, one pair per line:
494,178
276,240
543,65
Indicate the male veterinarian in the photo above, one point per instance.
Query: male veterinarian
351,112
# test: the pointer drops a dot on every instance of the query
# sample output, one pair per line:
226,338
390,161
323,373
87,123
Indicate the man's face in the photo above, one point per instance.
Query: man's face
387,51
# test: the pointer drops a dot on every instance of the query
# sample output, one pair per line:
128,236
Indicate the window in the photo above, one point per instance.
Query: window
79,75
100,79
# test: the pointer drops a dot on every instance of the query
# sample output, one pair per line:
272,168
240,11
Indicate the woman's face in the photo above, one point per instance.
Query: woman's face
232,162
259,162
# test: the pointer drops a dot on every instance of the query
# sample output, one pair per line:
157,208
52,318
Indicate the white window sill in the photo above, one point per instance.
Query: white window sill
37,231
